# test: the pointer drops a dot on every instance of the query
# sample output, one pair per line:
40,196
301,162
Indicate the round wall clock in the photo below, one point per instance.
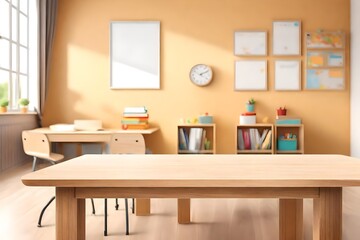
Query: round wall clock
201,74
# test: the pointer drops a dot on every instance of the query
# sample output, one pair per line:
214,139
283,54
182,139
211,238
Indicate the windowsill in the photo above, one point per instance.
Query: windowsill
17,113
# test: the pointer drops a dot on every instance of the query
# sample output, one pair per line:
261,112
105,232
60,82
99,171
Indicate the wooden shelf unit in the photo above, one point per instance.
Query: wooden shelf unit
210,135
297,129
261,127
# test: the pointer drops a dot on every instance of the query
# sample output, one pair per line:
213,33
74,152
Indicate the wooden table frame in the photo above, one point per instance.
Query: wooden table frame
70,206
290,178
102,136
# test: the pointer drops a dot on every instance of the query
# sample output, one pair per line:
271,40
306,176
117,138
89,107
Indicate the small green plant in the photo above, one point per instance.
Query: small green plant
251,101
23,102
4,103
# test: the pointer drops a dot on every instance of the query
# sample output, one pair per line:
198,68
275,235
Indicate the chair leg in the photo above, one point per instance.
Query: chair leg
105,217
43,210
116,204
93,206
127,216
133,206
34,164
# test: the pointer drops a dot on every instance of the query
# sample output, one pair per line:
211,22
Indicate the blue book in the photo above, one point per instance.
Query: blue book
288,121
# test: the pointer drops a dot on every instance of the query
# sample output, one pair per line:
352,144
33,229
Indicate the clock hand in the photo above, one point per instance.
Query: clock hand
203,72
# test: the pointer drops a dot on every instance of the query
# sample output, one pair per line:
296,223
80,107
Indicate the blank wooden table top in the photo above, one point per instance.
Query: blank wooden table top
197,170
99,132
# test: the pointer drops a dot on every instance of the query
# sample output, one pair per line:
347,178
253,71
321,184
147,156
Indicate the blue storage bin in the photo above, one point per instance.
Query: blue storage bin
287,144
205,119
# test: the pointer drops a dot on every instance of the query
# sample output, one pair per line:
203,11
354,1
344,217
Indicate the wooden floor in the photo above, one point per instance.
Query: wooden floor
212,219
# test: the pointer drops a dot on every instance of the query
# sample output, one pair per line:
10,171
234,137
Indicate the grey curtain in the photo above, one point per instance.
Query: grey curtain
47,20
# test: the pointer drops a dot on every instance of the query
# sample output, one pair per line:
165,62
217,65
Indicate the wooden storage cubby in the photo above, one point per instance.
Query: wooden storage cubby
261,128
298,130
210,135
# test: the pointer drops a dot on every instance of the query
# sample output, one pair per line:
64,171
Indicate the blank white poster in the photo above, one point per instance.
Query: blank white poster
135,55
287,75
286,38
248,43
251,75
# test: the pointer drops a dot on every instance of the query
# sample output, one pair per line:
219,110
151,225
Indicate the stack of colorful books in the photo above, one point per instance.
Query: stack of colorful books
135,118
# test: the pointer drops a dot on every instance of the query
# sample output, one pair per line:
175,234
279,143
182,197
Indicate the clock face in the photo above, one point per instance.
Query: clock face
201,74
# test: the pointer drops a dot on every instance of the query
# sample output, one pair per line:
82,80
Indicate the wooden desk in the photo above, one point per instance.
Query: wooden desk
101,136
88,136
287,177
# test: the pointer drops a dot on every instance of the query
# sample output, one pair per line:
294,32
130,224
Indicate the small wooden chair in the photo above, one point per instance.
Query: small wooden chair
37,145
124,143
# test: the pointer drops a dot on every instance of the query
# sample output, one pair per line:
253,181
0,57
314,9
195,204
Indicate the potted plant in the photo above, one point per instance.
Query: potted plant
281,111
23,102
4,103
250,105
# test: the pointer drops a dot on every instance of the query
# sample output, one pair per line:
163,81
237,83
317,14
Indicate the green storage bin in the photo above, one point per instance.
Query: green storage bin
287,144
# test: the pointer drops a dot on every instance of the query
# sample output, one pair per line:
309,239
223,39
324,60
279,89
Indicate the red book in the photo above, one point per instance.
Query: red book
246,137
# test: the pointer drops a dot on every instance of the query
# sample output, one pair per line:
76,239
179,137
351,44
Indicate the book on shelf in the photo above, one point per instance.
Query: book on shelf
135,126
246,136
135,118
257,139
263,135
136,115
266,144
141,109
182,139
203,140
133,121
287,120
251,139
195,137
241,145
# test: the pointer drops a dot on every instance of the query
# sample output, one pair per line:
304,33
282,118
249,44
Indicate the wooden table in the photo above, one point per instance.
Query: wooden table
290,178
101,136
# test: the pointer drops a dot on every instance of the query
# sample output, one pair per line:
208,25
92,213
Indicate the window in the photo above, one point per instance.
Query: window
18,48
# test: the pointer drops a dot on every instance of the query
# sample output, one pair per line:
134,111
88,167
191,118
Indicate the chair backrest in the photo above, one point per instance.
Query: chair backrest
36,144
124,143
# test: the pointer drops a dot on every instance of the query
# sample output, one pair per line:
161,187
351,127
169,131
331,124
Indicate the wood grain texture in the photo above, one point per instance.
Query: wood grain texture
218,192
291,219
70,215
212,219
142,207
154,170
184,211
328,215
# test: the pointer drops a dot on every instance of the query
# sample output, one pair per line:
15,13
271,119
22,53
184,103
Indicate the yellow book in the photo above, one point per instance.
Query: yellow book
267,142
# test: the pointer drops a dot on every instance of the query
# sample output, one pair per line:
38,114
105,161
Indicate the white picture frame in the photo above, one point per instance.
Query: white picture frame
135,55
250,75
287,75
250,43
287,38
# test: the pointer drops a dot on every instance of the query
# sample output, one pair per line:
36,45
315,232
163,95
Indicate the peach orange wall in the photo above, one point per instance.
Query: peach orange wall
192,32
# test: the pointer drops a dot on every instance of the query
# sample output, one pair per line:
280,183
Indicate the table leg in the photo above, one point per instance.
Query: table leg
78,147
70,215
183,211
142,206
291,219
328,215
